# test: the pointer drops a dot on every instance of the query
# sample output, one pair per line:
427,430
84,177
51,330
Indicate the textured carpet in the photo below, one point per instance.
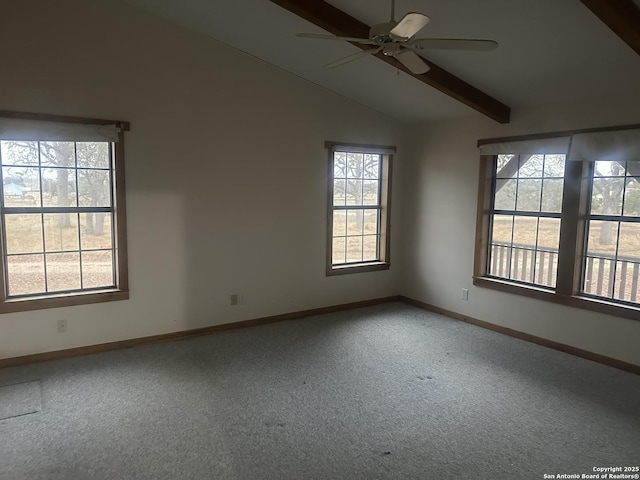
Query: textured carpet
388,392
19,399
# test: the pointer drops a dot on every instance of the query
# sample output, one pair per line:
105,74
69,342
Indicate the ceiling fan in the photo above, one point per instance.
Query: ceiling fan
396,39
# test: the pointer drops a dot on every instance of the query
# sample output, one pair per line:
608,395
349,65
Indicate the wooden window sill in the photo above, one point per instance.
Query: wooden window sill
599,305
357,268
62,300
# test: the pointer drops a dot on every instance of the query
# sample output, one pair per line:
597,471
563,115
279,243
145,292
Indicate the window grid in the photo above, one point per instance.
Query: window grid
604,275
356,219
42,210
515,260
358,216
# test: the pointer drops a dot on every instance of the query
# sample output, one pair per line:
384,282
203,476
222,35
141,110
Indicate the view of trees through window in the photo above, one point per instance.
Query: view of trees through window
612,259
525,229
526,221
57,215
356,207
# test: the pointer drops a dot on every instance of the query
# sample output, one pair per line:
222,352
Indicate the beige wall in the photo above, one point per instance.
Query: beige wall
439,222
226,169
226,183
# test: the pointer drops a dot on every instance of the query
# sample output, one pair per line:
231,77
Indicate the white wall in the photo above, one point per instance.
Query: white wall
439,228
225,169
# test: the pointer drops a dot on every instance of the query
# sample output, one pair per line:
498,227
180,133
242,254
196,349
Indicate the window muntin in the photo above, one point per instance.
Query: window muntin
57,217
611,267
525,218
358,208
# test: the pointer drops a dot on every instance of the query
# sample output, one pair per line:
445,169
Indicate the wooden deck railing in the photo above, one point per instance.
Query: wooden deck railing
526,264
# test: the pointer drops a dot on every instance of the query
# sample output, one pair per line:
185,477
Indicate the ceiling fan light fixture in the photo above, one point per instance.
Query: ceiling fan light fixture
410,24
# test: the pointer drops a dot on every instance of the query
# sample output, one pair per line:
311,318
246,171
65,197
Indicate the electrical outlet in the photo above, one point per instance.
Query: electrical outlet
234,299
62,325
465,294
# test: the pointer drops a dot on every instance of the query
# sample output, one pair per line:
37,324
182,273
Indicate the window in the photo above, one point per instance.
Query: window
359,201
525,229
559,218
612,256
62,211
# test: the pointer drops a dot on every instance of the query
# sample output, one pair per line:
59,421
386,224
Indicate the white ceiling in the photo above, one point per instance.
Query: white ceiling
551,51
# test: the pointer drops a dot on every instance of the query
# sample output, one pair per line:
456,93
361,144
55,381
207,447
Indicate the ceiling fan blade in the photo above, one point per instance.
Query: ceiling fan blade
475,45
364,41
410,24
352,57
412,61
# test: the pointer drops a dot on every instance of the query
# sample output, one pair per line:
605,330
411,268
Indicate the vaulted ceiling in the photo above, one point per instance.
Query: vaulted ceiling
551,51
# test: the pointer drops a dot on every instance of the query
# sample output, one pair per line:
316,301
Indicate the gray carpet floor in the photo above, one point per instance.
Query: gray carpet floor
386,392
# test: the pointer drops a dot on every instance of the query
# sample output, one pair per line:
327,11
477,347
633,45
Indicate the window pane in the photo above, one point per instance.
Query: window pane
627,284
606,198
339,223
632,197
546,268
93,186
354,249
629,243
63,271
500,259
61,231
600,261
554,166
502,229
93,154
608,169
57,154
21,186
339,165
371,166
59,187
338,250
505,194
528,198
95,230
19,153
602,238
371,221
24,233
507,166
26,274
355,222
370,192
531,166
370,248
552,195
97,269
338,192
354,192
549,234
354,165
524,231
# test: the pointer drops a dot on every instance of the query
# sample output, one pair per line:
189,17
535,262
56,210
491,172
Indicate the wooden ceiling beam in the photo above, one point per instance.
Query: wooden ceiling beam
621,16
341,24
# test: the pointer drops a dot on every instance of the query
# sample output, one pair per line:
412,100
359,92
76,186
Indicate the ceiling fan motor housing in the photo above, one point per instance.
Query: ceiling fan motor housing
380,32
